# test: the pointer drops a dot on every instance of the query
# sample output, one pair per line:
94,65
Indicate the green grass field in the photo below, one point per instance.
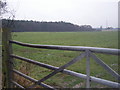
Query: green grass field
59,57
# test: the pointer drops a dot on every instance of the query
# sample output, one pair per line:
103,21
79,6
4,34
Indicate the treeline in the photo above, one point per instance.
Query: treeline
35,26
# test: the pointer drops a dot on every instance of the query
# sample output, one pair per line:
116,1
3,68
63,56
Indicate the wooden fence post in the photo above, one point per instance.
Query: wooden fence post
6,59
0,54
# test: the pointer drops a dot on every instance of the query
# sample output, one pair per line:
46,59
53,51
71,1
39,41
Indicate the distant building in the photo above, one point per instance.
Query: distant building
101,28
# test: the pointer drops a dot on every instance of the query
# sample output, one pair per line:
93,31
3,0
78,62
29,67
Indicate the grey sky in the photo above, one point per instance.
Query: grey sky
91,12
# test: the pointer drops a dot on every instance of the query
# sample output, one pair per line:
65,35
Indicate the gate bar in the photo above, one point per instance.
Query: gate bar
61,68
31,79
87,69
80,75
106,67
71,48
17,84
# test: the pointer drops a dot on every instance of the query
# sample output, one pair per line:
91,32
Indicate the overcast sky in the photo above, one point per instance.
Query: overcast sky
82,12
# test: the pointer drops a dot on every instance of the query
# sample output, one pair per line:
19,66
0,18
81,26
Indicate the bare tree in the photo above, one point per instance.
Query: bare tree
3,5
4,9
6,13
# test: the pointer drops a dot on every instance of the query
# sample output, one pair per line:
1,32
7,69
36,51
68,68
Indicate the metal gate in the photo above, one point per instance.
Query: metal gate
88,52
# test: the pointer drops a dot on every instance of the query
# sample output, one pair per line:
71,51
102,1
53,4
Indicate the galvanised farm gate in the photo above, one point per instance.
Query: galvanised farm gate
8,69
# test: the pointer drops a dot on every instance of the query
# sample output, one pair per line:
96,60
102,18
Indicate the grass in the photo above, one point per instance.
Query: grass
58,57
96,39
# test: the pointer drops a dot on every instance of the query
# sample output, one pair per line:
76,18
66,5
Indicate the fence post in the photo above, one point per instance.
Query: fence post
6,59
0,54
